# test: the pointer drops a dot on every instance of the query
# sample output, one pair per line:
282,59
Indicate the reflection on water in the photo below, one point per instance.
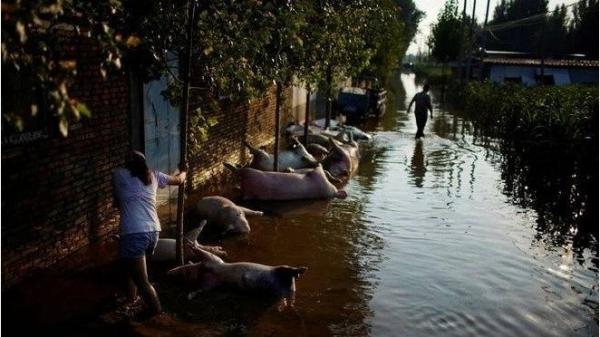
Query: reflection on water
431,241
417,164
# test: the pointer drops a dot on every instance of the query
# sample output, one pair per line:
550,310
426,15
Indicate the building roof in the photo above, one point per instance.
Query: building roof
538,62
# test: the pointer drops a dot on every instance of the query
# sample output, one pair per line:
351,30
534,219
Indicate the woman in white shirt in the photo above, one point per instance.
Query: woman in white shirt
134,190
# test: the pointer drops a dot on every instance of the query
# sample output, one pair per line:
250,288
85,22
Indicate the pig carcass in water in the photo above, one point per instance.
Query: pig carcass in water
308,184
295,158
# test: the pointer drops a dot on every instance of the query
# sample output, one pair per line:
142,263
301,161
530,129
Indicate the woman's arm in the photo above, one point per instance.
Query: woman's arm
177,179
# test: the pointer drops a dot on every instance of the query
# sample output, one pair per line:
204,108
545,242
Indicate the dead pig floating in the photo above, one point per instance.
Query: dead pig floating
343,158
296,158
224,216
317,134
261,185
278,281
193,251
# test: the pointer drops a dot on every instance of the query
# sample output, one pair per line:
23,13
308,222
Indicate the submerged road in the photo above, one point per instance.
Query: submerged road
426,244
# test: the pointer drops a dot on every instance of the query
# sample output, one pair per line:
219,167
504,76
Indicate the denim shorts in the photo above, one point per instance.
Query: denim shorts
136,245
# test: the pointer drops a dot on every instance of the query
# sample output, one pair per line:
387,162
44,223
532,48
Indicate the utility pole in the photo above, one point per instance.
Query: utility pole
487,12
470,55
462,56
183,129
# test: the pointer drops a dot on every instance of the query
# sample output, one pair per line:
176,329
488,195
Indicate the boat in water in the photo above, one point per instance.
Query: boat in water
364,99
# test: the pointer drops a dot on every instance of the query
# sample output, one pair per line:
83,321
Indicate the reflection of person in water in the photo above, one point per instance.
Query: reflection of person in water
422,102
417,164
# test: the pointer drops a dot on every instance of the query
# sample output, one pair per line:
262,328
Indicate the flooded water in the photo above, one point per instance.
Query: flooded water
426,244
429,242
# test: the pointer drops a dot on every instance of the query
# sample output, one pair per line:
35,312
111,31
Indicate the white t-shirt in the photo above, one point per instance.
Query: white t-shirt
137,202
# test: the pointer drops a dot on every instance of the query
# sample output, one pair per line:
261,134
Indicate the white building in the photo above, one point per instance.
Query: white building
528,71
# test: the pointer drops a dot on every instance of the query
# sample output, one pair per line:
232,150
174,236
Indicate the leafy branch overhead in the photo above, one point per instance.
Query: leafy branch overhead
240,48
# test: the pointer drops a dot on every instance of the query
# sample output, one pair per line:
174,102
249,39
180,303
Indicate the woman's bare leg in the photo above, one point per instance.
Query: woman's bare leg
139,276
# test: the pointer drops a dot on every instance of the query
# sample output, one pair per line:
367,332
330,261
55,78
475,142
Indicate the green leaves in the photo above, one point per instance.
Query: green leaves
515,113
239,47
37,36
448,37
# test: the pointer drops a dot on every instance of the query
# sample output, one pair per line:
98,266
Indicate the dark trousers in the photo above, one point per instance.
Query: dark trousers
421,121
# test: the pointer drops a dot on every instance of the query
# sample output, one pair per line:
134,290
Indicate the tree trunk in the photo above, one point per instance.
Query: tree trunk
277,127
183,130
328,102
306,115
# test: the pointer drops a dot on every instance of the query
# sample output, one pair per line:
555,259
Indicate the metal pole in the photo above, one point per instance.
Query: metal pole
306,115
277,127
184,128
487,12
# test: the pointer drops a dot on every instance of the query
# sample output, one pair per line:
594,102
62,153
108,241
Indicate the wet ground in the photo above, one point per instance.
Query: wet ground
428,243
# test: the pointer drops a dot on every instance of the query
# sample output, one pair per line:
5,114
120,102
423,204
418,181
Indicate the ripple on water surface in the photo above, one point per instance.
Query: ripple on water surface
426,244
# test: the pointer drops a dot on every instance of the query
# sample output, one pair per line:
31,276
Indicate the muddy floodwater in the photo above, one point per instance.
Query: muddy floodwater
431,241
427,244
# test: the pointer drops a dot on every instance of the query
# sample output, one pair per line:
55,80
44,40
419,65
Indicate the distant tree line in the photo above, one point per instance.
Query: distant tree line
536,29
518,25
239,49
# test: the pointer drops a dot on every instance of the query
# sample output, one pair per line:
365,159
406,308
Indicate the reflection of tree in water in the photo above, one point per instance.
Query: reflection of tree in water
562,190
417,164
371,164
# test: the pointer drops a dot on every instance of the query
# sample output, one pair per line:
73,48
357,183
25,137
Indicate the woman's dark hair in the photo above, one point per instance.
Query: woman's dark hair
138,167
426,87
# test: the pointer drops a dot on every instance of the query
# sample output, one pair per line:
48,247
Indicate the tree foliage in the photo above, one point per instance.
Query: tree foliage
240,48
33,34
541,31
448,36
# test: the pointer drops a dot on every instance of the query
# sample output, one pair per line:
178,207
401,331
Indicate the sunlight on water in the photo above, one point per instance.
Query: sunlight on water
426,244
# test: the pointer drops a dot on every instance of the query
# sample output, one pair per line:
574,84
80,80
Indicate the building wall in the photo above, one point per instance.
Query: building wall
562,76
56,192
253,122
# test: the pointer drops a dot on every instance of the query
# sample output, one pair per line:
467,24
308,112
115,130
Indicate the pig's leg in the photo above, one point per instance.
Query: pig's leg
250,212
331,178
217,250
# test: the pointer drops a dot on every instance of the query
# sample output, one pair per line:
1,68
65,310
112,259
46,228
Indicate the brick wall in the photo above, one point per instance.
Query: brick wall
253,122
56,192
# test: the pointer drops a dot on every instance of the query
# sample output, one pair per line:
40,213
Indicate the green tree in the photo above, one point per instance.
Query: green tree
33,34
448,37
583,28
523,36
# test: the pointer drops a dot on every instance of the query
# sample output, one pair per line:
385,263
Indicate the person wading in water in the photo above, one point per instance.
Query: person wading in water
422,102
134,191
